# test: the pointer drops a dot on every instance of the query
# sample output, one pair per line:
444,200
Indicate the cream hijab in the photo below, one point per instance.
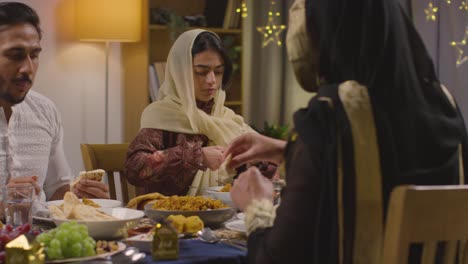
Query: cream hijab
176,109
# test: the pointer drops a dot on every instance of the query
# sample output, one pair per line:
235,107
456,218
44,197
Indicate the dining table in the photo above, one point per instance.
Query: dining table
191,250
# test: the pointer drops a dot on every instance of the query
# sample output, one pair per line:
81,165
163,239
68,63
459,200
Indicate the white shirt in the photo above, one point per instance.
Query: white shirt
32,144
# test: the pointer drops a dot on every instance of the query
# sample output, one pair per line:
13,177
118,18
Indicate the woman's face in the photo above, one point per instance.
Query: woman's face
208,69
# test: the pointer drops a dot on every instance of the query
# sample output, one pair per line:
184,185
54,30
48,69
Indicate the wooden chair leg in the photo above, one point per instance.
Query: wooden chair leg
124,187
110,177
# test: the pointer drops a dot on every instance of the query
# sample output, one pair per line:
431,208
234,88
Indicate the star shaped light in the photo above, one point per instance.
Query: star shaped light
459,48
463,6
242,10
431,12
271,32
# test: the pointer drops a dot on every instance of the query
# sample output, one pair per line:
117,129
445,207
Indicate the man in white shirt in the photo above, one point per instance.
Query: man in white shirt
31,133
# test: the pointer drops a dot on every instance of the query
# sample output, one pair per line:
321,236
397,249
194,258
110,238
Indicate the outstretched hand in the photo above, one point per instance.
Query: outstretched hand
253,147
251,185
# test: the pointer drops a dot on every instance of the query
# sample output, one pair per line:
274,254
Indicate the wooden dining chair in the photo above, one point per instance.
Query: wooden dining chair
111,158
426,215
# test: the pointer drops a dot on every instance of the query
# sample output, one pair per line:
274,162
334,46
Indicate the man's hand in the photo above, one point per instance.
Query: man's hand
25,180
249,186
91,189
212,157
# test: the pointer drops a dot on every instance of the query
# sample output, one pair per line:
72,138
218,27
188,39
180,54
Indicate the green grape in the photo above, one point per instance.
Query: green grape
83,230
63,236
76,249
91,241
54,253
89,249
75,237
55,243
44,238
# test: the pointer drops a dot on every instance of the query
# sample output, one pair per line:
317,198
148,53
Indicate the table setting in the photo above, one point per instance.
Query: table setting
207,235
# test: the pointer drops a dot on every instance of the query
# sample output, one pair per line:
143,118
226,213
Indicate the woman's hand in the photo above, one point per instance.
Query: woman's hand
91,189
249,186
253,147
25,180
212,157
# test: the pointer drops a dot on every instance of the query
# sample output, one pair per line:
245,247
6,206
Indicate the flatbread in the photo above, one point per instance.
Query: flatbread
75,210
140,201
225,172
94,175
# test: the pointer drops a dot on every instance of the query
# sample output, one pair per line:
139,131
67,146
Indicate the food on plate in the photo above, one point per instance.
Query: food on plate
103,246
187,203
68,240
193,224
90,203
144,229
177,222
226,188
139,202
182,224
76,210
94,175
226,173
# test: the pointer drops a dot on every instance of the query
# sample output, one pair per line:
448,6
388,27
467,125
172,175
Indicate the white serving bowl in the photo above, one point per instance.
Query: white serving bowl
108,229
104,203
225,197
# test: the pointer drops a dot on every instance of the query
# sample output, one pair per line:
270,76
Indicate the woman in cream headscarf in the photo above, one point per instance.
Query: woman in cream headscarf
179,147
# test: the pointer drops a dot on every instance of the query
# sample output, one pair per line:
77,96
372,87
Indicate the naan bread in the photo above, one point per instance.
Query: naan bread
225,172
94,175
69,201
74,209
140,201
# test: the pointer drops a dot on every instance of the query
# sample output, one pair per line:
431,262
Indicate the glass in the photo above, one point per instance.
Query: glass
18,203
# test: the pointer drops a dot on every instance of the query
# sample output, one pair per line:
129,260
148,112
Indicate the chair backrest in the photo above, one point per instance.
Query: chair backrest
426,215
111,158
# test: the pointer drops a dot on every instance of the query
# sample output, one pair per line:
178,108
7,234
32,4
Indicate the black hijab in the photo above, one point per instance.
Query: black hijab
418,129
373,42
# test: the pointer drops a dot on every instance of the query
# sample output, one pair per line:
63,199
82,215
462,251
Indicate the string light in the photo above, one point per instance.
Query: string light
242,10
459,48
271,32
463,6
448,2
431,12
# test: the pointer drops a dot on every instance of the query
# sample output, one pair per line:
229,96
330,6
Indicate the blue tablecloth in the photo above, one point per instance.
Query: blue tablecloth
195,251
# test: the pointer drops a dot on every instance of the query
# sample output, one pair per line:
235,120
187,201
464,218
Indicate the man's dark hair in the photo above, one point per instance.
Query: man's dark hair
13,13
208,41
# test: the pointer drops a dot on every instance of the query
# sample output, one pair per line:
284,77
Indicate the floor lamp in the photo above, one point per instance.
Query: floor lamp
108,21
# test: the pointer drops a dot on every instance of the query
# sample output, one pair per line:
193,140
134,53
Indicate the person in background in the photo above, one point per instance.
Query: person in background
31,133
180,145
380,119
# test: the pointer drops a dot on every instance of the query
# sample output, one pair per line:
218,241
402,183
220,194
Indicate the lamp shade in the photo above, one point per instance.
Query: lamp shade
108,20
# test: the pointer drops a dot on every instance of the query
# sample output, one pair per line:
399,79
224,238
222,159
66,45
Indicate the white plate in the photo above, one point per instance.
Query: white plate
141,241
104,203
241,216
109,229
120,249
236,225
225,197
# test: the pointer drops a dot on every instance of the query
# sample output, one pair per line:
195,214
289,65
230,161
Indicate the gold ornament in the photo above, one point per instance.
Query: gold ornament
459,48
431,12
271,32
242,10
